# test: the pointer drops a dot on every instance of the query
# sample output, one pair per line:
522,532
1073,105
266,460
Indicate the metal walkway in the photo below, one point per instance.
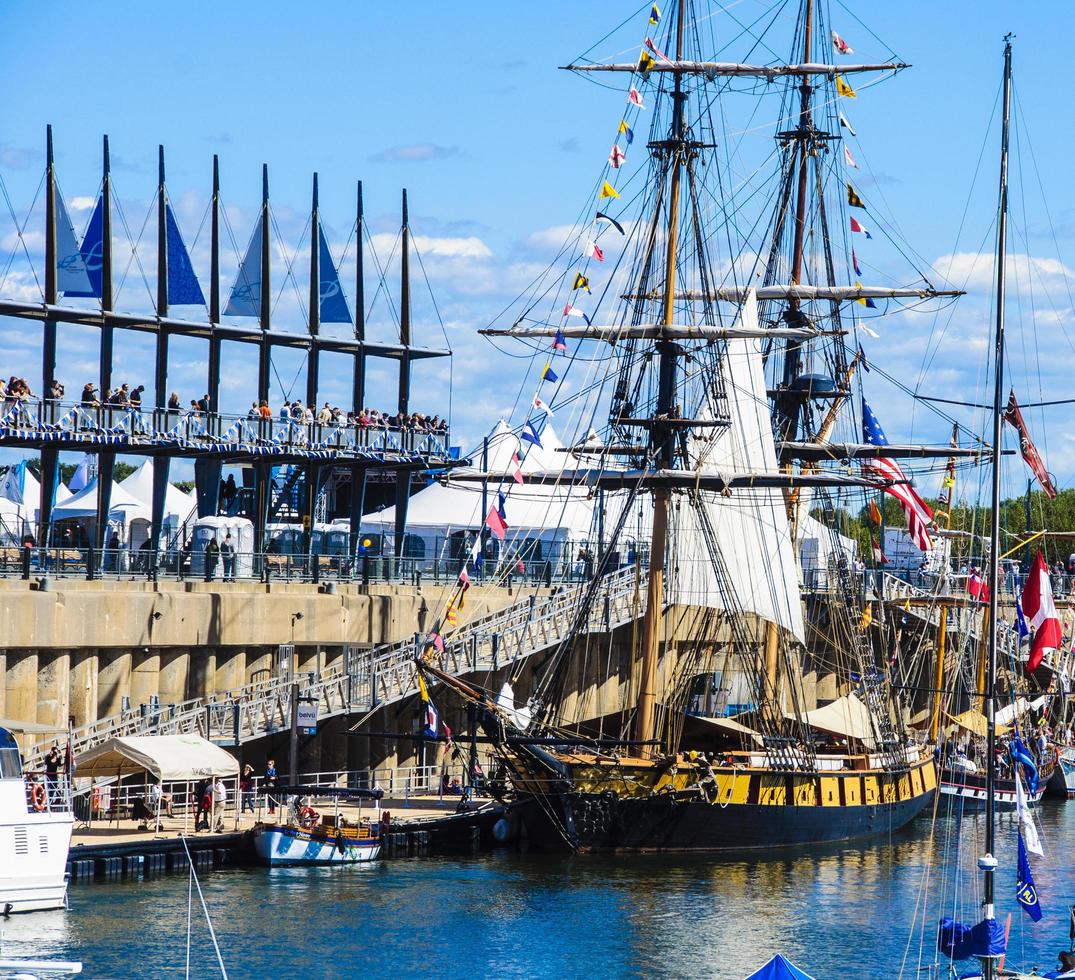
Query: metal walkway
375,678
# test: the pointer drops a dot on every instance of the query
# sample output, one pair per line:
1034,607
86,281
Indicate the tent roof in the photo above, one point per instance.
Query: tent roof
529,506
974,722
84,503
779,968
140,486
730,725
168,757
846,716
30,727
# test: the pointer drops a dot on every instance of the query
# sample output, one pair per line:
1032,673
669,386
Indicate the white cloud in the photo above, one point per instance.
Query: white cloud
81,203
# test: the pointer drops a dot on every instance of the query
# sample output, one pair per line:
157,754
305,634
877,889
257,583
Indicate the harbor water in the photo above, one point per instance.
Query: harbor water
840,911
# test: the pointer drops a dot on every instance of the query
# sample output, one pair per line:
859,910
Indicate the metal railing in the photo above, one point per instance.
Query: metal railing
377,677
60,421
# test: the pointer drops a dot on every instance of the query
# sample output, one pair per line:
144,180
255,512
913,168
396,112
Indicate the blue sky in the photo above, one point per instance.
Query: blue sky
463,105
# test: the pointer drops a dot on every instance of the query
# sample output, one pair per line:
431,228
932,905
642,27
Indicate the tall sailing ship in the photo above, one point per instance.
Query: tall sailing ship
728,372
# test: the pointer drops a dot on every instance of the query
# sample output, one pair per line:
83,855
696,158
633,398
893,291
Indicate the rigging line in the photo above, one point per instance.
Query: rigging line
194,244
382,279
134,259
289,266
20,230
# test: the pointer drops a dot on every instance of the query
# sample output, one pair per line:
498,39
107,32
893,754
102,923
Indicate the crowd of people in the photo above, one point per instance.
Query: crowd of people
367,418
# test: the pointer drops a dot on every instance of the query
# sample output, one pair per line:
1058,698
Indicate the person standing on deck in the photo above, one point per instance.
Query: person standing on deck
270,784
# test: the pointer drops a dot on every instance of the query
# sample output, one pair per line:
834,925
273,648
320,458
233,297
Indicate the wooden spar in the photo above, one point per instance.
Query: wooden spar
938,678
715,69
804,293
658,331
651,638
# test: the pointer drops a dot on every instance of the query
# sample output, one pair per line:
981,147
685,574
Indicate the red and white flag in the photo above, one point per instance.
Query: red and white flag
977,586
849,159
841,45
1040,612
878,555
634,97
859,228
464,577
660,54
541,406
593,251
616,157
516,468
496,523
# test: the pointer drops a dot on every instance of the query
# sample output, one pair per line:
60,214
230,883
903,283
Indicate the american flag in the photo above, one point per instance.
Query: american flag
915,509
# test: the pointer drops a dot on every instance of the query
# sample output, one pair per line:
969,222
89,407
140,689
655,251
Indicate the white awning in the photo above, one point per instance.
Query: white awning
846,716
730,725
168,757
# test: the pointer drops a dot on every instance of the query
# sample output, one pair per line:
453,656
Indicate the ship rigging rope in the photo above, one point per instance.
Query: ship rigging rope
20,232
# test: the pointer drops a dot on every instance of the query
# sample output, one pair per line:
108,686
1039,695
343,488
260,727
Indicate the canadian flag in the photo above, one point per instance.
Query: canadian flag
1040,612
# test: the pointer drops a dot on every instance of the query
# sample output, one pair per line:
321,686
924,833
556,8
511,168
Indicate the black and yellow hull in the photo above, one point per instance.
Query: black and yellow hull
750,808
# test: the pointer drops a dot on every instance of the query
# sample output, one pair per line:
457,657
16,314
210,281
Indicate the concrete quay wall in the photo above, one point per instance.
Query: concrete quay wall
79,648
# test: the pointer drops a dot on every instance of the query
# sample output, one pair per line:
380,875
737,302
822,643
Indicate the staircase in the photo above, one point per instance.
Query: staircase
371,679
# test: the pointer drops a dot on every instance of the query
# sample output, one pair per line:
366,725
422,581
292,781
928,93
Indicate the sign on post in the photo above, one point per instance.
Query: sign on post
306,718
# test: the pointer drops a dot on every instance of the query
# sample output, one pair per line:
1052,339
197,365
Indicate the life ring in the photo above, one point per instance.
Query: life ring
37,796
307,817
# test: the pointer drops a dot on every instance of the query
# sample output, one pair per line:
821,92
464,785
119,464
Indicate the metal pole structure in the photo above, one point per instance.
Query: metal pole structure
106,462
293,746
358,377
50,458
207,471
261,473
312,472
403,477
988,862
161,464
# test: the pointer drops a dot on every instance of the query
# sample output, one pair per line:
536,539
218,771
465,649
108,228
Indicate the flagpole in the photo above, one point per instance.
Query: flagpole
988,862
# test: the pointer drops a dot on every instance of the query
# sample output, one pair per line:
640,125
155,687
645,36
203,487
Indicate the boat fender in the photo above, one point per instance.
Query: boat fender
307,817
386,820
502,831
340,846
37,796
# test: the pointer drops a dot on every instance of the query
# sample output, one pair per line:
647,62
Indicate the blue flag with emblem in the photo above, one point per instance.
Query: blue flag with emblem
1025,892
1020,620
334,308
92,250
183,286
71,277
245,299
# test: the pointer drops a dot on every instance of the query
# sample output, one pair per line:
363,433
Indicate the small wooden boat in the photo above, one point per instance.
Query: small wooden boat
304,836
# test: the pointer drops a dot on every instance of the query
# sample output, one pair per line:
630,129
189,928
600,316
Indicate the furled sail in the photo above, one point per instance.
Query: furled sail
757,572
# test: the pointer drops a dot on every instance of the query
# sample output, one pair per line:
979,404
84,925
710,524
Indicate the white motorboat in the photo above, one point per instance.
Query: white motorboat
35,835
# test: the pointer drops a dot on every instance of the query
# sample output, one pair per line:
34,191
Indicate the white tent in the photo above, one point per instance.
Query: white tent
123,508
846,716
542,520
168,757
140,486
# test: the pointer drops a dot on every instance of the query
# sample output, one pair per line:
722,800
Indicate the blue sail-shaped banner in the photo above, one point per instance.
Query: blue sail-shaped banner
245,299
183,287
334,308
71,276
92,254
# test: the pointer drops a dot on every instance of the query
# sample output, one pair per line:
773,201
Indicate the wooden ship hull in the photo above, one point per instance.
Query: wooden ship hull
730,808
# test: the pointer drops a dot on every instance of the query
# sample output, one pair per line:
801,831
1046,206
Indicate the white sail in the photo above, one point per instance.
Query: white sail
751,527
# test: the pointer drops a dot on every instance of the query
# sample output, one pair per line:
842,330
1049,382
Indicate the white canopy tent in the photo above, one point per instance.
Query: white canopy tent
846,716
125,509
170,758
140,486
543,520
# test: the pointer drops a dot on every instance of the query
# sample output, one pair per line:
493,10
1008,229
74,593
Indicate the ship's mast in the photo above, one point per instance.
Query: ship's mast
663,435
988,862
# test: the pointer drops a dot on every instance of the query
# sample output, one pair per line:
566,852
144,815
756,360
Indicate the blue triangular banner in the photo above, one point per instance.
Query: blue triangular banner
183,287
334,308
71,279
92,254
245,299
